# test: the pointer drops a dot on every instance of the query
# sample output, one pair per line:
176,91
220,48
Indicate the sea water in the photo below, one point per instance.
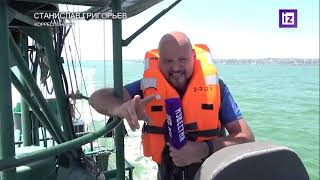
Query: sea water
280,102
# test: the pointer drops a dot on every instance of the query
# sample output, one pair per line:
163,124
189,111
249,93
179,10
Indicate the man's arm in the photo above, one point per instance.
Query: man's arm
239,132
231,118
105,102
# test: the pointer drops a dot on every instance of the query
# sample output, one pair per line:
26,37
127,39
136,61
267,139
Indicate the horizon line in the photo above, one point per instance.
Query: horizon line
216,59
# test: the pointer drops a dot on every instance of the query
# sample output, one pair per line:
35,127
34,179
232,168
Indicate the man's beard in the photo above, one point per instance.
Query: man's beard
179,81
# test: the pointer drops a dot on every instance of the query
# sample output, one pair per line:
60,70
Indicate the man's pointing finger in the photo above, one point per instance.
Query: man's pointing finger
148,99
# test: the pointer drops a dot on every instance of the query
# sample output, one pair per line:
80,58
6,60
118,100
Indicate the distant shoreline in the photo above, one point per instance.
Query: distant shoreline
294,61
290,61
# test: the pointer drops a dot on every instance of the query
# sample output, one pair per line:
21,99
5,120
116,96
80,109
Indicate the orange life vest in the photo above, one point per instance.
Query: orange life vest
200,103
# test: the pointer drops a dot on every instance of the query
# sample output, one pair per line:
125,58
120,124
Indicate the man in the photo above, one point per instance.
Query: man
177,64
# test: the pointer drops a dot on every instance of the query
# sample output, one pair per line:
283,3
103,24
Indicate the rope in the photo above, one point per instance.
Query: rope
82,78
47,88
67,60
78,95
81,72
35,62
73,68
80,55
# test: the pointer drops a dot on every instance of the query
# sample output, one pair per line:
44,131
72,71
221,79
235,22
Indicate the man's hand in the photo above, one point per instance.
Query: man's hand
191,152
133,110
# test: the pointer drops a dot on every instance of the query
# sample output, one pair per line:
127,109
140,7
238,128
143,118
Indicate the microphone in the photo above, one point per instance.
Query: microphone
174,115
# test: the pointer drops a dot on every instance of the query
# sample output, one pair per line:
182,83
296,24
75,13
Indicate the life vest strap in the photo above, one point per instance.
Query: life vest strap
191,126
204,133
160,130
190,129
152,129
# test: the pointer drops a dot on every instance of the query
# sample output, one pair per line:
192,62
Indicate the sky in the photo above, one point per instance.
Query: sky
236,29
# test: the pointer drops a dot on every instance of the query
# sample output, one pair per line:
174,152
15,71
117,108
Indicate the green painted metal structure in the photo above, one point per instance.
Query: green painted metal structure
32,84
118,85
8,163
26,123
14,51
7,149
35,108
127,41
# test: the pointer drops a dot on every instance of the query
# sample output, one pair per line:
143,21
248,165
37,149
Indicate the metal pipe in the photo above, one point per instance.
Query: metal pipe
73,2
62,99
44,37
118,87
35,131
21,17
28,99
149,23
21,160
41,140
27,76
26,123
44,137
7,149
94,9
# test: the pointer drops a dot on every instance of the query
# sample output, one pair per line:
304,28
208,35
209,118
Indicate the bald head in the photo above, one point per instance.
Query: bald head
176,59
175,38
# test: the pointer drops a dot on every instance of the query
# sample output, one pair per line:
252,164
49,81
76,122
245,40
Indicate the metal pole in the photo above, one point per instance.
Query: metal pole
44,37
27,76
149,23
55,150
44,136
62,99
35,131
118,86
7,149
28,99
26,123
21,17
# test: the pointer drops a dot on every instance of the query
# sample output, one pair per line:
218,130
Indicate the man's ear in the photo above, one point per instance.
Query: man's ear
194,54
